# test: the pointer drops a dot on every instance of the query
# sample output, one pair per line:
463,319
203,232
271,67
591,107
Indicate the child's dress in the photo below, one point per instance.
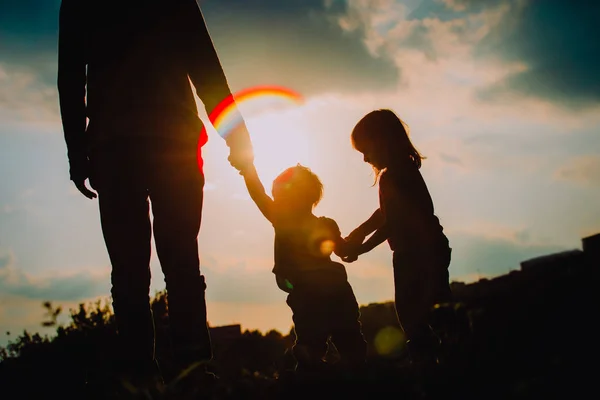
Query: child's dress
421,251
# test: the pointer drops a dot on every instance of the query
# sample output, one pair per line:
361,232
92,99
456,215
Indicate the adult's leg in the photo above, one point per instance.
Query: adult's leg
124,215
176,194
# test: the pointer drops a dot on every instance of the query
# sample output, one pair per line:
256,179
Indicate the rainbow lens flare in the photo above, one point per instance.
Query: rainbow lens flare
252,101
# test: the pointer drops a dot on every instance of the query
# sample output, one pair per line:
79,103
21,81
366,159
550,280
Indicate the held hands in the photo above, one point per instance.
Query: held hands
240,162
353,246
241,154
351,255
240,158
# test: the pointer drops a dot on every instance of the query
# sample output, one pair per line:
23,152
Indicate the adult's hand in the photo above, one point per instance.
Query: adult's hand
348,251
82,187
241,153
240,157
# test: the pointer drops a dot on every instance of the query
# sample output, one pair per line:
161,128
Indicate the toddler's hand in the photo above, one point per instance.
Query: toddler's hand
355,238
241,165
350,258
241,152
351,250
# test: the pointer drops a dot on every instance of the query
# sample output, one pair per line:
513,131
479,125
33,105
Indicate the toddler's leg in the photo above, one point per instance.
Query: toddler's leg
347,330
310,328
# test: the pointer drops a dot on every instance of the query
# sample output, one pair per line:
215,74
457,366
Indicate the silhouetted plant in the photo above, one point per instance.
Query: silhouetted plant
506,340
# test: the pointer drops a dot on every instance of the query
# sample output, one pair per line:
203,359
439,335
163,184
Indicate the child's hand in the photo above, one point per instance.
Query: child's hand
355,238
241,152
350,258
351,251
241,165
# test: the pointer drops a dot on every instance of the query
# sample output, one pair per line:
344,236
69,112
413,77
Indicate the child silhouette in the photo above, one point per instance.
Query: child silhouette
319,294
406,219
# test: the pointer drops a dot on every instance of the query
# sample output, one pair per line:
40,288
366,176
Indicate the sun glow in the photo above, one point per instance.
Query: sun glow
276,143
279,142
327,247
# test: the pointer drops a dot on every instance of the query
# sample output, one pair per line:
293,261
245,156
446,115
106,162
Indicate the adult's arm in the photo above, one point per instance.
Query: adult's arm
71,84
207,75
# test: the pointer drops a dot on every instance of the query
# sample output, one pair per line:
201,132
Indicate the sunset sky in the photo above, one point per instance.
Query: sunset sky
501,96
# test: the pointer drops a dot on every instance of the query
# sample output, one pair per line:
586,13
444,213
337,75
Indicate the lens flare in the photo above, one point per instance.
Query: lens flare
226,116
389,340
326,247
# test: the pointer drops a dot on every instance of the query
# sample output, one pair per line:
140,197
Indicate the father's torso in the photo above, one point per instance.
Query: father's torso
137,79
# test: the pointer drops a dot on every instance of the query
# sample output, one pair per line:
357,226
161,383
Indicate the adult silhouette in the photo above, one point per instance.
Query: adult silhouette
131,126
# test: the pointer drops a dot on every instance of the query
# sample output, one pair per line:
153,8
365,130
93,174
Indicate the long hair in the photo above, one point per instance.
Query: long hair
387,132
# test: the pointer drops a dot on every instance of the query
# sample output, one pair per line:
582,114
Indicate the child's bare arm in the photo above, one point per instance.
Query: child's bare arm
375,240
257,191
375,221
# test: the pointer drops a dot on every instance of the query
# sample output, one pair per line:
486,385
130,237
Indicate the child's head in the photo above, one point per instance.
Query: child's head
383,138
297,188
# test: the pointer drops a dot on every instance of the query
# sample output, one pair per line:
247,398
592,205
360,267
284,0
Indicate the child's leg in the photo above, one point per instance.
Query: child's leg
310,327
420,281
408,290
347,330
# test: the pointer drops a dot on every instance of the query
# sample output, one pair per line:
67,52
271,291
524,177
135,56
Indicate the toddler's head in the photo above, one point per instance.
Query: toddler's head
297,189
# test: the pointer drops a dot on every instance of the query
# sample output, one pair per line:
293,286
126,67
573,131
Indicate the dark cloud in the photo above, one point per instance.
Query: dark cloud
292,42
450,159
237,284
557,40
295,43
440,9
582,170
519,141
74,287
29,32
493,256
29,21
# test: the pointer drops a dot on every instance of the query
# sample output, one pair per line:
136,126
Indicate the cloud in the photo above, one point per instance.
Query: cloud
249,280
439,75
294,43
29,38
537,54
584,170
479,250
29,17
555,40
82,284
29,27
24,95
450,159
493,255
